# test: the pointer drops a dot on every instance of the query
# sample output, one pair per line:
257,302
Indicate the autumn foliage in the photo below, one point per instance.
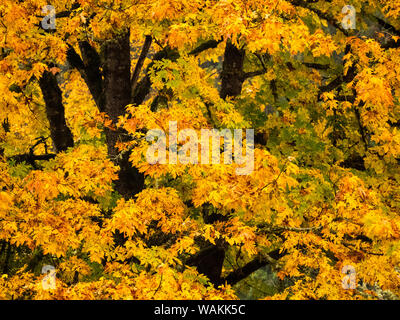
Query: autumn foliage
77,193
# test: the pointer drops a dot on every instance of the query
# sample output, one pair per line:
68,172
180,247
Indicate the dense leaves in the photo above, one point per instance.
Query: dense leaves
76,189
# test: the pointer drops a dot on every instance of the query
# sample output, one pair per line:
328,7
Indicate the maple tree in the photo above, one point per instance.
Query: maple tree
77,193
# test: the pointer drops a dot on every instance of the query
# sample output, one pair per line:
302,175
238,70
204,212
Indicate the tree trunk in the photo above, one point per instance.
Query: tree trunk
232,71
117,94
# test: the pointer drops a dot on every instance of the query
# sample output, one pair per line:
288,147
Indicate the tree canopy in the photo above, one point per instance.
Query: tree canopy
82,84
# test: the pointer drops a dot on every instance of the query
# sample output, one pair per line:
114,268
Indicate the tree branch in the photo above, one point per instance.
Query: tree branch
139,64
351,74
31,158
252,266
387,26
89,68
317,66
59,131
210,44
391,44
142,88
253,74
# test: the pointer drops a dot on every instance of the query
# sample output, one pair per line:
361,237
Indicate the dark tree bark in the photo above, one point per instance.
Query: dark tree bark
142,88
117,95
204,46
89,68
59,131
232,75
252,266
92,64
209,262
139,64
7,259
